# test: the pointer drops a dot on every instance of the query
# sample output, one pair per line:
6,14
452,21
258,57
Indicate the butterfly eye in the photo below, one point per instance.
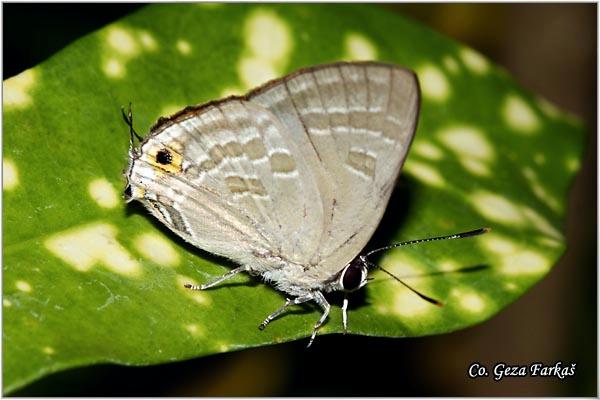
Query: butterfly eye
353,277
164,157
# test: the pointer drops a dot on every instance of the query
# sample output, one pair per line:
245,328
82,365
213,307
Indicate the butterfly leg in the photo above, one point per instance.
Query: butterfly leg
345,314
322,302
288,302
218,280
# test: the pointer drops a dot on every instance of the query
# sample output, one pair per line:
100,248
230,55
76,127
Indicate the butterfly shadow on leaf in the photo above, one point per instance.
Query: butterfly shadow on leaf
398,210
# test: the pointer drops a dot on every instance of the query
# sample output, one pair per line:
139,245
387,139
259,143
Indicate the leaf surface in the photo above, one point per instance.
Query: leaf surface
88,280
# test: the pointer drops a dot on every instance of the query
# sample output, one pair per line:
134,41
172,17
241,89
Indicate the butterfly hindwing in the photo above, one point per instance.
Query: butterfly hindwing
359,119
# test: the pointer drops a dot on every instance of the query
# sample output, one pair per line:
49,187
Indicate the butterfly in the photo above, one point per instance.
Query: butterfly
289,181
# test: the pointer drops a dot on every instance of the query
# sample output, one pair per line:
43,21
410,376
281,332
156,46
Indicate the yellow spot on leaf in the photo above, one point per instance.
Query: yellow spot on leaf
408,305
222,347
519,115
541,223
510,286
514,258
10,176
198,296
539,190
471,147
474,61
472,302
103,193
549,242
84,247
268,37
121,45
468,142
184,47
548,108
475,167
114,68
6,303
359,47
16,90
255,71
524,262
231,91
572,163
121,41
404,302
496,208
268,44
169,109
157,249
427,150
450,64
425,173
402,264
496,243
469,300
23,286
434,84
48,350
194,329
448,265
147,40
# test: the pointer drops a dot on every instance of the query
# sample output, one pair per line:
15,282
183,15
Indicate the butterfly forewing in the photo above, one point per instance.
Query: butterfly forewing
242,187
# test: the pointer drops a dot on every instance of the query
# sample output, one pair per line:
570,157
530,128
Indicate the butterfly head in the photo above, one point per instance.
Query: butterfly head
131,191
134,153
128,191
354,275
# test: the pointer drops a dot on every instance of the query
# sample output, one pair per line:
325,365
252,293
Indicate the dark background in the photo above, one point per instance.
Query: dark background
550,49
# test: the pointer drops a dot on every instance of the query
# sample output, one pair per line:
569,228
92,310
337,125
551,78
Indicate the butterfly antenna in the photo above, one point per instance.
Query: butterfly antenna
461,235
406,285
128,117
431,300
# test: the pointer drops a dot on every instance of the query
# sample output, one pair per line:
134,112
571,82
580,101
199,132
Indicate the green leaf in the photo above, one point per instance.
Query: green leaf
89,280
